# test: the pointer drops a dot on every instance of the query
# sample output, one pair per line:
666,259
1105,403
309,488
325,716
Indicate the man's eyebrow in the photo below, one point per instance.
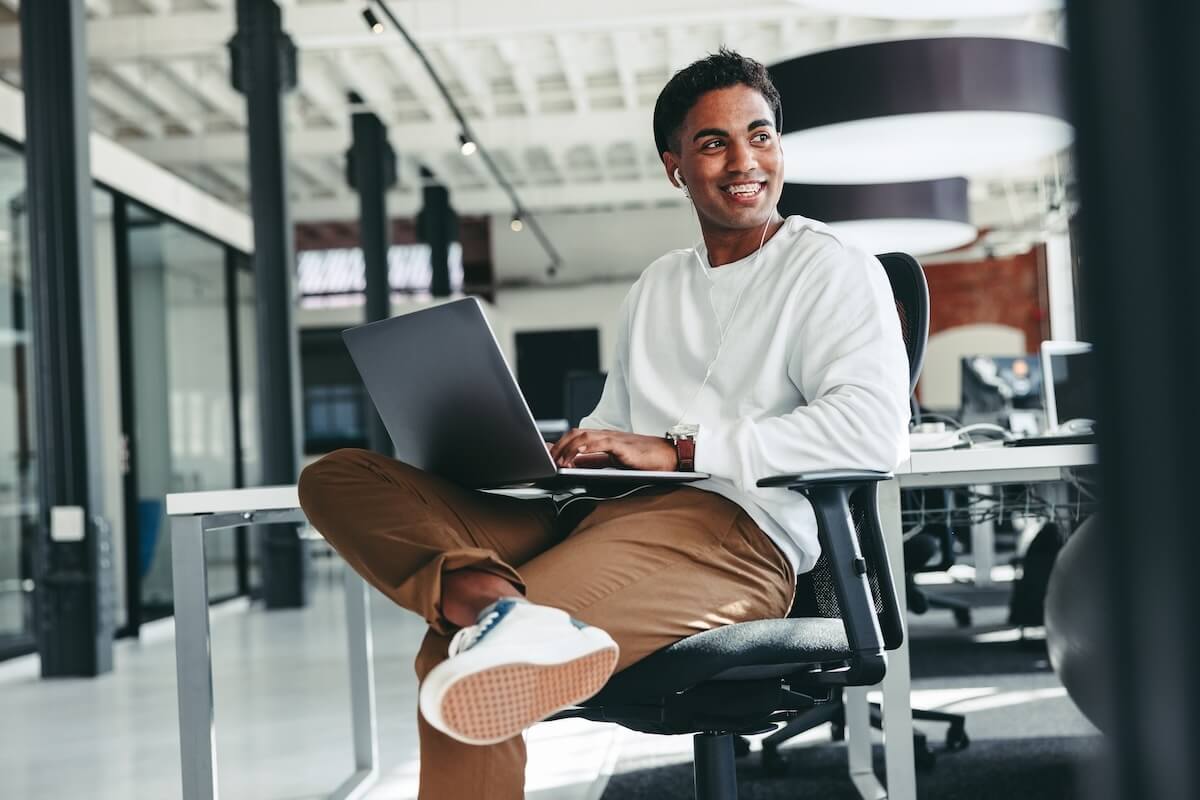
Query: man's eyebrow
758,123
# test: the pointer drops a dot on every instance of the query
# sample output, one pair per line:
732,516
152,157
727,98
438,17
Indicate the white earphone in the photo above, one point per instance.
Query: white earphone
682,185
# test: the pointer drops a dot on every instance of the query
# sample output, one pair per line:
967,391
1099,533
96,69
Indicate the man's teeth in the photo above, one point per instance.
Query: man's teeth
744,188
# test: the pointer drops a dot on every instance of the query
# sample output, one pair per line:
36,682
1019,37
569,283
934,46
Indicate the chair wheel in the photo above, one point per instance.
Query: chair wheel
774,763
957,739
837,732
962,617
741,746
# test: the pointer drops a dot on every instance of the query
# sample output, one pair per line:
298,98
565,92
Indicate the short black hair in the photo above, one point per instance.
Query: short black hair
720,70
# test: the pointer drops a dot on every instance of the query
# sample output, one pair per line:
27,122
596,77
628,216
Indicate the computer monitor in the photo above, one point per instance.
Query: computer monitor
994,386
1068,371
581,394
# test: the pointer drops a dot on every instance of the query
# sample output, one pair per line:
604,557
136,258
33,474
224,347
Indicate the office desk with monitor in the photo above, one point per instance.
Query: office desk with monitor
193,514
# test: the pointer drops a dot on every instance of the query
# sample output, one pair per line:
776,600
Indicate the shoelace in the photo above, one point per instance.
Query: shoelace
466,637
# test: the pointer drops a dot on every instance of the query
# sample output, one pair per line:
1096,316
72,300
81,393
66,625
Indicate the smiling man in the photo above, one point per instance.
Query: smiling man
770,347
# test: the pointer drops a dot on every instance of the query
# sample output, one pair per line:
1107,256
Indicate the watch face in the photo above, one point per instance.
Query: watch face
684,430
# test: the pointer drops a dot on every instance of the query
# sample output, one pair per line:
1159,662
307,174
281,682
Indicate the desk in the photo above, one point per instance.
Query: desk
193,514
928,469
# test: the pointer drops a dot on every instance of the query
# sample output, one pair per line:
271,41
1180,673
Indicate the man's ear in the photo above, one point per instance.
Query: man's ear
671,164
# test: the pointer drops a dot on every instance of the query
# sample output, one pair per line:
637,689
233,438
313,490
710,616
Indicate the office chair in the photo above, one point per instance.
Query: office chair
912,303
747,677
935,539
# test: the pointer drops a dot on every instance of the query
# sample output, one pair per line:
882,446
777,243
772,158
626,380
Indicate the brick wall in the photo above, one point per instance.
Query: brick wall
1007,291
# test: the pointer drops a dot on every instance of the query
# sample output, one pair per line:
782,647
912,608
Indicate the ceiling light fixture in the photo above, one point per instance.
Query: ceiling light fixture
465,137
920,109
920,218
467,146
932,9
372,21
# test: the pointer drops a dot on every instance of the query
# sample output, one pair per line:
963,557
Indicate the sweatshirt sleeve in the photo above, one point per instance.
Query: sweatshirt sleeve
612,412
849,362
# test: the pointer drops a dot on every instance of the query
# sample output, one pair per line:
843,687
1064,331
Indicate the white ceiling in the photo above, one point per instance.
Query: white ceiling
560,92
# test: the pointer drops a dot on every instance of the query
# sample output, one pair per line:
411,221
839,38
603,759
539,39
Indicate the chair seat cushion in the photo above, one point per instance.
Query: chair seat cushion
746,651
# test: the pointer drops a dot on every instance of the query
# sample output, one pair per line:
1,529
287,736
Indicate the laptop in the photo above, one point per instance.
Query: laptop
450,403
1069,395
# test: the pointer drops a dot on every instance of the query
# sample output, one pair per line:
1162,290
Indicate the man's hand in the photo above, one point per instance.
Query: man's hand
631,450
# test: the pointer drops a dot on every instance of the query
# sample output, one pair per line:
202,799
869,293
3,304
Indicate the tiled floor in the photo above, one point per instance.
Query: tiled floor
282,716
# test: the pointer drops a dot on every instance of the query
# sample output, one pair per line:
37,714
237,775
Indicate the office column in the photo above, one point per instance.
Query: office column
1136,94
264,69
437,226
73,561
371,171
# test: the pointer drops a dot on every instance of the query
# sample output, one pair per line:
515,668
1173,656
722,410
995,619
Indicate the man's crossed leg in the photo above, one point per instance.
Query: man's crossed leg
541,617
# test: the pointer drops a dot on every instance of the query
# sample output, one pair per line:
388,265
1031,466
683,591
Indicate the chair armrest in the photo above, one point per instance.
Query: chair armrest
829,492
828,477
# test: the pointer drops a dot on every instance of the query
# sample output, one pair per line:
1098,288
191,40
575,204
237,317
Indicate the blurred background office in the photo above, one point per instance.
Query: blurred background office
200,195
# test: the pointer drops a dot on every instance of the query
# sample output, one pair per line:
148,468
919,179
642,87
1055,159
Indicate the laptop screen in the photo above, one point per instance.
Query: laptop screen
1070,377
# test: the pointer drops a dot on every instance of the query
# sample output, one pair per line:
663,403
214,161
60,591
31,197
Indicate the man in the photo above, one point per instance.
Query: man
778,341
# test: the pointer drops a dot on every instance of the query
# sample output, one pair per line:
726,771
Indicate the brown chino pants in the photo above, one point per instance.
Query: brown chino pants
651,568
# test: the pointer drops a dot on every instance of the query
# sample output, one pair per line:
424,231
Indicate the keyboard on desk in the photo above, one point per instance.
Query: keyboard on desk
1049,439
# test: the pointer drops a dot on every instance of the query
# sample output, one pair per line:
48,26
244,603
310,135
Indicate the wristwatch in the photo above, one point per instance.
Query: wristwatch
683,437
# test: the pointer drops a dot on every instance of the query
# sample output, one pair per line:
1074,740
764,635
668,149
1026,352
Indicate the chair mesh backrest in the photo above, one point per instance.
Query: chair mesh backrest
815,594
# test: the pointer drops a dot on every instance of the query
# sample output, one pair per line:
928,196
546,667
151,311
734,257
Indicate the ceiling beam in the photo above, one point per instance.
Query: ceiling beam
567,49
211,85
603,128
337,25
117,102
491,200
623,50
466,69
514,56
148,86
412,73
363,80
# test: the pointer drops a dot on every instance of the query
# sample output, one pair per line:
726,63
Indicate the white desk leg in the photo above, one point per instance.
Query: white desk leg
362,690
193,660
858,744
983,542
897,682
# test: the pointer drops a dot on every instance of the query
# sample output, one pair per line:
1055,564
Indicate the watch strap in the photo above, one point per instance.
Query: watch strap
685,451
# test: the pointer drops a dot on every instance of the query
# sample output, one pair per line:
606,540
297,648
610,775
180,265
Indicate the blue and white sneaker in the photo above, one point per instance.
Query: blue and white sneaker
517,665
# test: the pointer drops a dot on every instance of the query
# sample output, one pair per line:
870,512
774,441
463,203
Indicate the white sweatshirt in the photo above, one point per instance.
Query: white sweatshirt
813,374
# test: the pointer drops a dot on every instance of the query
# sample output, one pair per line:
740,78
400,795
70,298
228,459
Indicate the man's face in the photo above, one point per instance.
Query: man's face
730,158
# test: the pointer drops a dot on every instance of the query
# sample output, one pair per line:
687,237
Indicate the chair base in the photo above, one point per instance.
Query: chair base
835,713
920,601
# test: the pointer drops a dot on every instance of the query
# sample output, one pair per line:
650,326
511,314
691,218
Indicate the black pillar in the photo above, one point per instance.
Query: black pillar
74,625
264,68
371,171
1137,107
437,226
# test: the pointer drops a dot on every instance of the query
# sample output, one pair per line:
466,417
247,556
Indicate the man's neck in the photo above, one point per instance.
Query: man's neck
727,245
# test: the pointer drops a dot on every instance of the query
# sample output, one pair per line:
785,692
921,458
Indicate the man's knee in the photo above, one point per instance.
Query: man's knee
326,478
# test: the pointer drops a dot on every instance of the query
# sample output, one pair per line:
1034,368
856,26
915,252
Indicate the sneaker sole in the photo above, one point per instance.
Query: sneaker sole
497,703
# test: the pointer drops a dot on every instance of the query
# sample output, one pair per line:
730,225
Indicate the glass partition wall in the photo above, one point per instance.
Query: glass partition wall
18,440
184,358
193,392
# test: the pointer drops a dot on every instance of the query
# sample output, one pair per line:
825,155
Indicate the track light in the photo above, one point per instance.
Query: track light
516,224
468,147
372,21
